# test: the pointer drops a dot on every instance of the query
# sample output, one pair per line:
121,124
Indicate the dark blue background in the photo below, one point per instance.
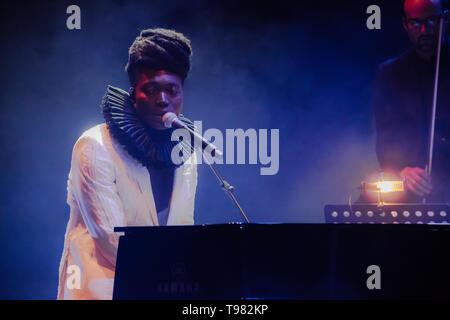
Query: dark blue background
303,68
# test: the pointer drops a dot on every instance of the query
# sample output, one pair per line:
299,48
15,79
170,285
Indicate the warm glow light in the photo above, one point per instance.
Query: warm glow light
384,186
390,186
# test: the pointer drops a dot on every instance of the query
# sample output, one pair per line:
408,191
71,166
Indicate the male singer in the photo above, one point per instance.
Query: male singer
121,171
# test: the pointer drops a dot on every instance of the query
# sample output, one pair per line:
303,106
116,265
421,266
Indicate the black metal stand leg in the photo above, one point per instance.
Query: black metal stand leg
228,190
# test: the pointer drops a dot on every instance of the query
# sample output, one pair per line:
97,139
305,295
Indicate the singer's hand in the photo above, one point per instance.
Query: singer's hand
417,180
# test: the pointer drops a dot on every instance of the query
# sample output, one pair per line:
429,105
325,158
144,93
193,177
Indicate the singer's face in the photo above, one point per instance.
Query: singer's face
158,92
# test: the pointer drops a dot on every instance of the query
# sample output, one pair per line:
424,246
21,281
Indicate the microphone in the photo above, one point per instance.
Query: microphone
170,120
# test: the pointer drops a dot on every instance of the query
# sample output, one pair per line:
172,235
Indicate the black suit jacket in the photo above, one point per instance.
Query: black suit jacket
402,103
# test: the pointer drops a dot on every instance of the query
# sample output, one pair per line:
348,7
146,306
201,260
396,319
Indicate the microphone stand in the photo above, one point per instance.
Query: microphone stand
228,190
169,118
433,111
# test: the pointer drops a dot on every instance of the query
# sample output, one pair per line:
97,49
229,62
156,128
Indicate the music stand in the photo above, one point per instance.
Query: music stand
398,213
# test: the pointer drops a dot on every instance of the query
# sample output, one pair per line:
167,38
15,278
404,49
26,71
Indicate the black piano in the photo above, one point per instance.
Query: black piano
284,261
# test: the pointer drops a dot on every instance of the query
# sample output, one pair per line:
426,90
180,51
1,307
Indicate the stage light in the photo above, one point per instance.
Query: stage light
390,186
379,186
384,186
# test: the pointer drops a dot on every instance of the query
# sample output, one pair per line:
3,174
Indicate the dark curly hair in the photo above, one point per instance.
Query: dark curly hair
160,49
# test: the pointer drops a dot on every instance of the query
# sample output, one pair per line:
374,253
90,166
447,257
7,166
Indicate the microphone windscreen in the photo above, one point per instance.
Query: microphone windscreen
168,118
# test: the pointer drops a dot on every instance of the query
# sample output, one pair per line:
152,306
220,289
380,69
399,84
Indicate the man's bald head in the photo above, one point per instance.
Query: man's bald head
420,7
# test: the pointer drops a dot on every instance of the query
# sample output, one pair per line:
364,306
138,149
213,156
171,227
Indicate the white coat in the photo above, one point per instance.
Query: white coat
108,188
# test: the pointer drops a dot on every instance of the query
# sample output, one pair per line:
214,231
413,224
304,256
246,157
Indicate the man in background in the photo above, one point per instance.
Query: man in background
403,102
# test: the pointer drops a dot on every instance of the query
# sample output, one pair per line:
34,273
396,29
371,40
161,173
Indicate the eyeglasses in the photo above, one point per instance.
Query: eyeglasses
429,22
